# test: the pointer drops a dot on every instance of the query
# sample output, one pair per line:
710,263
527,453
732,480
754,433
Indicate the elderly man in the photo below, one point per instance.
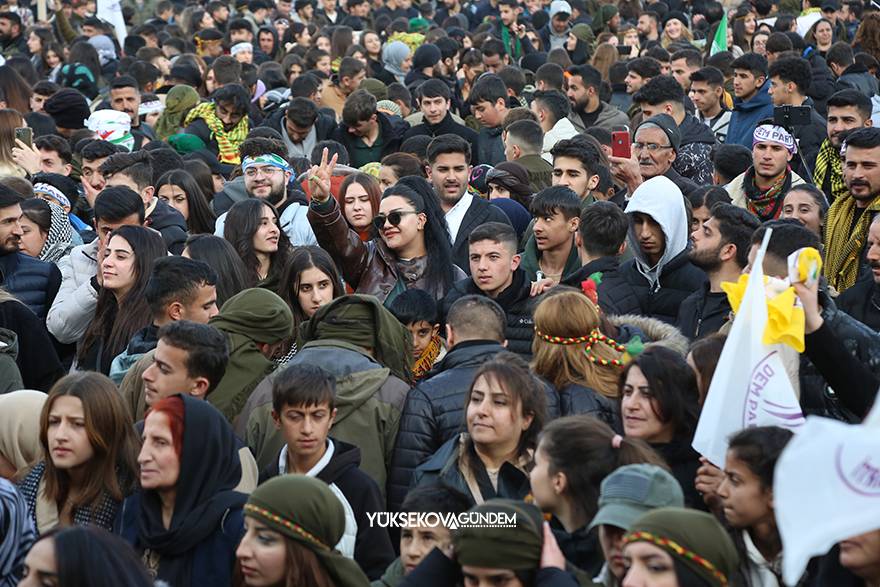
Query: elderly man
762,187
655,148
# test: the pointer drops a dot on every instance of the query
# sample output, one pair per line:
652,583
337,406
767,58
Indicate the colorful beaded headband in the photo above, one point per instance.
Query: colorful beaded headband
596,336
561,339
678,549
287,524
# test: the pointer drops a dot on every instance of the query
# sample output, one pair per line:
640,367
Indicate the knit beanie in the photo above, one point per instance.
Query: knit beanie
68,108
375,87
516,548
583,32
532,61
694,538
426,56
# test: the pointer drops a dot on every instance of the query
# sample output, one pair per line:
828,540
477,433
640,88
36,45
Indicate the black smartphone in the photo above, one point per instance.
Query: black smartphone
624,50
25,135
791,116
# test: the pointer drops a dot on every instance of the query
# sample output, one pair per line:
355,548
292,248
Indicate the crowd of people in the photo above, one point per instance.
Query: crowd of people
274,271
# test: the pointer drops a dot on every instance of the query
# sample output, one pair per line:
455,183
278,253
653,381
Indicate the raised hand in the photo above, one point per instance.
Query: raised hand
28,158
320,176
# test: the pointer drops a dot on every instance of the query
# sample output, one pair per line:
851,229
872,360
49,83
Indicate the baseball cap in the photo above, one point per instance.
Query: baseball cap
667,124
559,7
631,491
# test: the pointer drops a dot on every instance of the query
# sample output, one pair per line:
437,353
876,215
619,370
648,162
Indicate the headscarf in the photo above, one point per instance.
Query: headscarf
58,243
363,321
112,126
305,510
104,46
209,470
178,101
515,549
251,316
18,534
693,538
513,177
228,141
393,56
477,185
20,427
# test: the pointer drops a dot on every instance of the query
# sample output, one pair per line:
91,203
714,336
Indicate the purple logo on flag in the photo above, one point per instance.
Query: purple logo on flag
757,404
857,472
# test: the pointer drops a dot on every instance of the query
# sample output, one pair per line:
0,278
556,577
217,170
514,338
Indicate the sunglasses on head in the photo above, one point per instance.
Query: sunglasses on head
393,218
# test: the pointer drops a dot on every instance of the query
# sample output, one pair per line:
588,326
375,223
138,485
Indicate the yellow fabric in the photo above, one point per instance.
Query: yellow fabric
228,142
785,317
844,241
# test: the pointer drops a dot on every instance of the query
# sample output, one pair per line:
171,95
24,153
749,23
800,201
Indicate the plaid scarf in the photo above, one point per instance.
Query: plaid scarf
844,242
830,166
228,142
766,204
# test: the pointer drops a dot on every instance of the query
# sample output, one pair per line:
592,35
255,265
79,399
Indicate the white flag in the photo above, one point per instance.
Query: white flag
826,488
111,11
750,386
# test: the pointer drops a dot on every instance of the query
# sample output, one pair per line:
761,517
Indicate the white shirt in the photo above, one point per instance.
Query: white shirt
455,216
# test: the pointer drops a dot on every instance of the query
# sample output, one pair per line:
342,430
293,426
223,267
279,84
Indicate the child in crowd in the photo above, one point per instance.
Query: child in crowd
417,310
304,407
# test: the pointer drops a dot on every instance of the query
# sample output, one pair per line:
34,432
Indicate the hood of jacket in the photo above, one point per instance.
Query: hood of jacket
694,131
144,340
660,199
654,330
756,102
345,457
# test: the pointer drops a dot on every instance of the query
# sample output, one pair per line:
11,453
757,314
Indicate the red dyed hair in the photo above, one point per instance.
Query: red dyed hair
173,409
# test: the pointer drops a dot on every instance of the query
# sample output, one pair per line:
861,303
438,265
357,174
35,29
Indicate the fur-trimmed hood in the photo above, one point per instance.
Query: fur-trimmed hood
656,331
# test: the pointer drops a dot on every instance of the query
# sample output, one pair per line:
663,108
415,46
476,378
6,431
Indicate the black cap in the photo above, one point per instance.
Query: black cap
830,6
667,124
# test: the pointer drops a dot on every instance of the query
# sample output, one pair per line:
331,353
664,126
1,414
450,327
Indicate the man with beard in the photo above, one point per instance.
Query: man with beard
862,301
647,26
448,170
848,110
721,249
222,124
12,42
587,110
266,175
846,226
655,148
126,97
32,281
762,187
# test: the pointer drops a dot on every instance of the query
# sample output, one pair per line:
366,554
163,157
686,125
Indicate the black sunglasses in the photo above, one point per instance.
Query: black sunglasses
393,218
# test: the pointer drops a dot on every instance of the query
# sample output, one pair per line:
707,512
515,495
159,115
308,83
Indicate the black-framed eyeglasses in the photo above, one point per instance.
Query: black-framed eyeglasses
651,147
393,218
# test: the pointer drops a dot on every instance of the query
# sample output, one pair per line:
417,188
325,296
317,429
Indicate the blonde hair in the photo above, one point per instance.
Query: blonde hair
9,120
605,56
686,35
571,315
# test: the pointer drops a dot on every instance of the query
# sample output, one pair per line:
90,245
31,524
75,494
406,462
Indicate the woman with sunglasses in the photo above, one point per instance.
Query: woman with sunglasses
412,250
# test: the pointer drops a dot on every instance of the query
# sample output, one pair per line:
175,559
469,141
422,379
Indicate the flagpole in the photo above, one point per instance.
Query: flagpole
759,256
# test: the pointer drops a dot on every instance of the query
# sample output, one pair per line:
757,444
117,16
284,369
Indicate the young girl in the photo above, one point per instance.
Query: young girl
570,351
223,259
574,455
309,281
252,227
505,408
179,189
413,250
746,493
122,310
89,449
397,165
359,197
659,403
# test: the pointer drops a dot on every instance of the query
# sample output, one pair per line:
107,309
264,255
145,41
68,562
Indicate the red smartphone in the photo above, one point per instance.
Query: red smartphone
620,143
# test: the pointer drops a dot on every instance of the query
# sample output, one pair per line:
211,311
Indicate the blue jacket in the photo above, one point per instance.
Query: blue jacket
746,116
32,281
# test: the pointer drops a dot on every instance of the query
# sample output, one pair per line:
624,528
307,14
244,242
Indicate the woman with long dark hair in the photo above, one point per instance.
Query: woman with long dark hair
124,269
253,228
16,89
179,189
412,250
90,448
223,259
659,403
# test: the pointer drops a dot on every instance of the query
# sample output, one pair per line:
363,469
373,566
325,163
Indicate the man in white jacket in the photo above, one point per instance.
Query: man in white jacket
552,109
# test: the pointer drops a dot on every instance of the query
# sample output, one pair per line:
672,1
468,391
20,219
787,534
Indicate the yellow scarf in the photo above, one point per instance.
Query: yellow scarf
426,359
844,242
228,142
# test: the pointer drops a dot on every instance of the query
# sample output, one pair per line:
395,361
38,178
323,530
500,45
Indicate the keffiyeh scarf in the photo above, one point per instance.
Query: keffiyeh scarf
229,141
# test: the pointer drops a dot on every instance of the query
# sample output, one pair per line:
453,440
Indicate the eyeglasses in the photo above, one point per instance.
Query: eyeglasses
393,218
267,171
651,147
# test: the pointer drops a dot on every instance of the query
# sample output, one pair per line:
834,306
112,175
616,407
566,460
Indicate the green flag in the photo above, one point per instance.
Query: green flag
719,43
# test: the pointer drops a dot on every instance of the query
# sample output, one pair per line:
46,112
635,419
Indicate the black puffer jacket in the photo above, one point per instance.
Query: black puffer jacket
679,278
578,399
862,302
616,295
816,396
822,85
32,281
434,412
170,224
517,305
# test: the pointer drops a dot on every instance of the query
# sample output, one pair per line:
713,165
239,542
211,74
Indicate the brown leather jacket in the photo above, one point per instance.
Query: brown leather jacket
368,267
